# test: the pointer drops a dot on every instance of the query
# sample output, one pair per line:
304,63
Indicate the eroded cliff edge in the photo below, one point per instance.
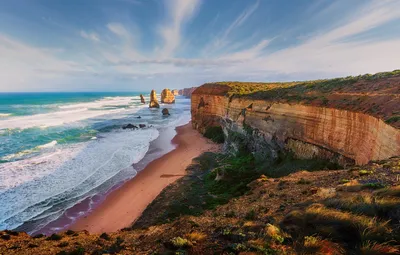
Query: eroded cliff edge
350,120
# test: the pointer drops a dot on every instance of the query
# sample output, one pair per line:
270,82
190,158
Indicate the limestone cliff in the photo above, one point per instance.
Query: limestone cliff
167,97
187,92
349,120
153,100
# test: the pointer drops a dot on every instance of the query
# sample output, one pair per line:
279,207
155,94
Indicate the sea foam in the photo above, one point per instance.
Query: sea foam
36,186
67,114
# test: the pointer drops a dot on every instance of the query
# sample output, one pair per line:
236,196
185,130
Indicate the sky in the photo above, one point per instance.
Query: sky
138,45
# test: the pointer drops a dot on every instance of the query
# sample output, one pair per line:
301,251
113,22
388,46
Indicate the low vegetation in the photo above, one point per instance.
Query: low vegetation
216,134
233,205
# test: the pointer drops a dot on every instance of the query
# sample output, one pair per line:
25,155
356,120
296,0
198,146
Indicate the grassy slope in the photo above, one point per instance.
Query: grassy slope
342,211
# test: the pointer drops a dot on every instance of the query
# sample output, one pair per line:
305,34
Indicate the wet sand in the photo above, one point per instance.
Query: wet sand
124,205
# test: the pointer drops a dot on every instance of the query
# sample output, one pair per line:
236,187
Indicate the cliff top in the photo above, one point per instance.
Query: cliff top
377,95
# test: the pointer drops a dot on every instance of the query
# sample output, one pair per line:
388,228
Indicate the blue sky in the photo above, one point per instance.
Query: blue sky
128,45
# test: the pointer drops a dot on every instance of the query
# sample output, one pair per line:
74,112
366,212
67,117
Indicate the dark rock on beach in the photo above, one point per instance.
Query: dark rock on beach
129,126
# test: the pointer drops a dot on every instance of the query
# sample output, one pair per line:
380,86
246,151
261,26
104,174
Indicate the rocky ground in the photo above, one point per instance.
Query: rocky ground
352,211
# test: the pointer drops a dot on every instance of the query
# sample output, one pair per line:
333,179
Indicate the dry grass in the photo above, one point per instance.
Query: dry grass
366,204
196,236
374,248
392,192
317,245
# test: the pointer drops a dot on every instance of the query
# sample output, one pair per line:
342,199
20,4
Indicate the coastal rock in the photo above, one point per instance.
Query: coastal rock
175,92
142,125
307,128
165,112
167,97
153,100
142,99
129,126
187,92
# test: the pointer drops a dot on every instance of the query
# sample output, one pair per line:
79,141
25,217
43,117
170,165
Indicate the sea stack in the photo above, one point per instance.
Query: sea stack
167,97
153,100
142,99
175,92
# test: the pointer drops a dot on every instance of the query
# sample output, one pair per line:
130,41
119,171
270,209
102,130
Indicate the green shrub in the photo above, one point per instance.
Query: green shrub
54,237
251,215
365,172
179,242
216,134
393,119
304,181
374,186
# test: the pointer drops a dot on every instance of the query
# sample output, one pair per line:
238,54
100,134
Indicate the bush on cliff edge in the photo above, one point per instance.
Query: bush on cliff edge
216,134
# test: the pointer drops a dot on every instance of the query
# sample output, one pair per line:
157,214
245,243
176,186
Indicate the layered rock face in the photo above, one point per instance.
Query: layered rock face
142,99
153,100
167,97
271,126
187,92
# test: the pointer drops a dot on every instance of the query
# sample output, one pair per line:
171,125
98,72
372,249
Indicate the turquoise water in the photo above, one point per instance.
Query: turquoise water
20,139
18,104
57,149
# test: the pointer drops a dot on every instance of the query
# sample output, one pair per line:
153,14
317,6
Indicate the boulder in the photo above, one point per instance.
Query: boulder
167,97
142,99
175,92
153,100
165,112
129,126
142,125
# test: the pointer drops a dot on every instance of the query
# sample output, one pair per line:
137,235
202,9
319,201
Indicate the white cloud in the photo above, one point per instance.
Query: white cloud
23,65
179,12
90,36
119,30
329,54
222,39
117,54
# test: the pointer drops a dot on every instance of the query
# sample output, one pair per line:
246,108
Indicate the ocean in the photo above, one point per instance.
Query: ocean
59,149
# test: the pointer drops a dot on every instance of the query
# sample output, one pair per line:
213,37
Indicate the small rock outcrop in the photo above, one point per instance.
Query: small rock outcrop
142,99
167,97
165,112
142,125
153,100
187,92
175,92
129,126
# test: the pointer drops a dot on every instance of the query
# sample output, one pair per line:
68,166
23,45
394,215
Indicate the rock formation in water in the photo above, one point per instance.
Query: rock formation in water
349,121
165,112
153,100
167,97
142,99
129,126
175,92
187,92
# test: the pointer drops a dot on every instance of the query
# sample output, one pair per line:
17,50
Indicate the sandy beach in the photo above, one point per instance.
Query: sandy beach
124,205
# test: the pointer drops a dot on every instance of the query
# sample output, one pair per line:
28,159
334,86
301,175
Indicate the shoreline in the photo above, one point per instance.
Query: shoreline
159,147
124,205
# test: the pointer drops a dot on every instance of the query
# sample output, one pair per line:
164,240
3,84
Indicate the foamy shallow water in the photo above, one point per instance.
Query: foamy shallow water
86,152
